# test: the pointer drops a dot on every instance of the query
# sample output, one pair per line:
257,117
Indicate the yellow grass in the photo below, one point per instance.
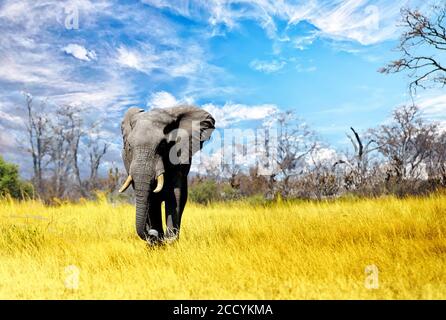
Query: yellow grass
305,250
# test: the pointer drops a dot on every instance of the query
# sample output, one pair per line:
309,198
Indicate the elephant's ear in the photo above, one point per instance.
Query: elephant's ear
126,127
197,123
128,121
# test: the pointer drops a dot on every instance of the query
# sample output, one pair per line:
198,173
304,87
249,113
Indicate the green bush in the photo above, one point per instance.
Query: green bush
204,192
229,193
10,183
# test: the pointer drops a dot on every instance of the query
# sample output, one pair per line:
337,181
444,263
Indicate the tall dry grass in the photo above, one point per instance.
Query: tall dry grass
287,250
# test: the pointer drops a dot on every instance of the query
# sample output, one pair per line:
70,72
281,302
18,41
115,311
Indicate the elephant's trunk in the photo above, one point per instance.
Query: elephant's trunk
144,171
142,213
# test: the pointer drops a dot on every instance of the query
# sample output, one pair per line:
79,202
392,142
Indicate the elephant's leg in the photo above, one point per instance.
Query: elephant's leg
175,203
154,224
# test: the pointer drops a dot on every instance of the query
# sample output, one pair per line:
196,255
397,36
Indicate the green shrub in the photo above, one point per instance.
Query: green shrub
229,193
10,183
204,192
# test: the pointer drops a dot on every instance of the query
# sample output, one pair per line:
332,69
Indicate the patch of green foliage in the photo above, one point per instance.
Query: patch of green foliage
204,192
10,182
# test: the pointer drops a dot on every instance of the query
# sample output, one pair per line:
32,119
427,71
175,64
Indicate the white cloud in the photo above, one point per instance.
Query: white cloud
181,7
223,150
130,59
231,113
203,163
106,98
303,43
162,99
323,155
434,108
267,66
80,52
225,115
188,61
12,121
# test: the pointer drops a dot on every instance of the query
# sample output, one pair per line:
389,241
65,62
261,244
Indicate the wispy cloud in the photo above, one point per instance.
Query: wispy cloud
301,68
364,21
267,66
434,108
304,42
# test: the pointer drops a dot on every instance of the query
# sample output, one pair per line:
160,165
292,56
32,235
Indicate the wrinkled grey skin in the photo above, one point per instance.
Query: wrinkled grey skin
148,139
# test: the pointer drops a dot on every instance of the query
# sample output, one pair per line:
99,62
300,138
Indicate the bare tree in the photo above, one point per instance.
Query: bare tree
232,169
407,142
295,141
74,142
37,129
74,132
320,180
437,160
58,143
358,164
422,34
265,148
64,147
96,151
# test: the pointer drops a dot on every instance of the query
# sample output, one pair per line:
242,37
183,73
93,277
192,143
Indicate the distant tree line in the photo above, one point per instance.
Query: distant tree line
406,155
402,157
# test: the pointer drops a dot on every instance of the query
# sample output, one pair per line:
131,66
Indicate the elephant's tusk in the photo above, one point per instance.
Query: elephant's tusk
126,184
160,183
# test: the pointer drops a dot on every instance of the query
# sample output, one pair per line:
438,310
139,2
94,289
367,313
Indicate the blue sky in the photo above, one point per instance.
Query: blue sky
241,60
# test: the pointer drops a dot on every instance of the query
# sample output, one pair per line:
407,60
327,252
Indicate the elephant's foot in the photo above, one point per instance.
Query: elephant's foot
153,237
169,240
172,235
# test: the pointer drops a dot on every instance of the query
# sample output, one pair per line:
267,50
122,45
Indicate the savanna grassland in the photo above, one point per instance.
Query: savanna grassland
284,250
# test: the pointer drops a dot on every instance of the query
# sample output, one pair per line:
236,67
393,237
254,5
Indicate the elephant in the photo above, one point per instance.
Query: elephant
158,146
